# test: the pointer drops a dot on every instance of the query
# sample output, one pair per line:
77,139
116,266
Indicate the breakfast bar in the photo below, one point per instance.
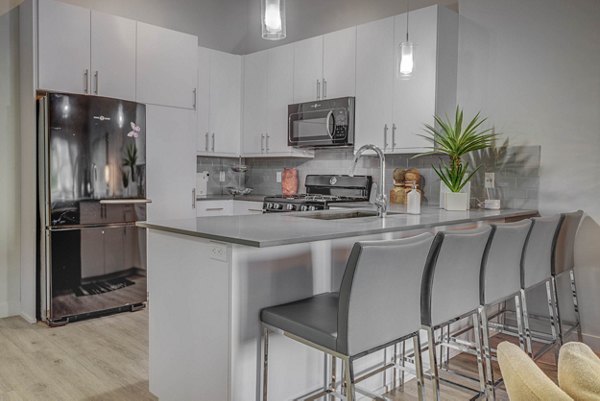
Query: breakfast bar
208,279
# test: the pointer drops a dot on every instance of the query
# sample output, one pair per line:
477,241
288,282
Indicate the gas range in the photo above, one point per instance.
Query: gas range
321,192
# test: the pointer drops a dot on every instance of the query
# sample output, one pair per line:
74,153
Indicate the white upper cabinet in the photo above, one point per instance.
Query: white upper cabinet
203,100
63,47
167,67
374,83
255,102
280,95
225,102
308,69
219,104
112,70
339,64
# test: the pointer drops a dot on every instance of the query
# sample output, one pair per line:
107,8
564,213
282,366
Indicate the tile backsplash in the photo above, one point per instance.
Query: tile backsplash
516,168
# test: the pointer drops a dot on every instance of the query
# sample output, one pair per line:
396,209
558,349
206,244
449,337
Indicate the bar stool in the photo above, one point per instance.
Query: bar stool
538,260
564,262
374,309
450,292
500,280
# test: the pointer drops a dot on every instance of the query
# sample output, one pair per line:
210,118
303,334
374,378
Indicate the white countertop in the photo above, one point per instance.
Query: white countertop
267,230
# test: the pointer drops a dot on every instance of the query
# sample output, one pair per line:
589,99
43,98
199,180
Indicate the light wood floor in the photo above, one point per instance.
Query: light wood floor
106,359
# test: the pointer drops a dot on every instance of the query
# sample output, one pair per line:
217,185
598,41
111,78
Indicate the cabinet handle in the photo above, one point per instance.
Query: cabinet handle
96,82
267,142
86,87
255,210
318,89
324,88
195,98
194,198
385,142
213,142
262,143
394,136
213,209
206,142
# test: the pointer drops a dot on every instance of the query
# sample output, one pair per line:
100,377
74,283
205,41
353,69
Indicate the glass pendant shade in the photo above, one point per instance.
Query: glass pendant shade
406,64
273,19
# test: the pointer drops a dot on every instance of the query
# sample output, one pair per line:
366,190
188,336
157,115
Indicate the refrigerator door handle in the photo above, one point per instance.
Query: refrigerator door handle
123,201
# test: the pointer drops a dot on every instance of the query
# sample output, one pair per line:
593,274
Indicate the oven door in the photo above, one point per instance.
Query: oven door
326,127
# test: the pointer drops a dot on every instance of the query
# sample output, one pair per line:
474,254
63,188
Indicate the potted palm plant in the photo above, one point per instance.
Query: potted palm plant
455,139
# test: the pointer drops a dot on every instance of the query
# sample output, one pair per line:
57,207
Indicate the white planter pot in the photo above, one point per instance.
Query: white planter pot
444,190
457,201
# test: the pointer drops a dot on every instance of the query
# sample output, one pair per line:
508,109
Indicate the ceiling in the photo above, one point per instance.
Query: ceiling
234,25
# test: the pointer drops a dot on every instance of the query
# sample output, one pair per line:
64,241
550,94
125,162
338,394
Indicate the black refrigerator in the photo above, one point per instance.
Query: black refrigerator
92,191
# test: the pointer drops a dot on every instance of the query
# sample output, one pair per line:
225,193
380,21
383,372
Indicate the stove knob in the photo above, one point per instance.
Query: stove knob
311,208
269,205
277,206
290,207
303,208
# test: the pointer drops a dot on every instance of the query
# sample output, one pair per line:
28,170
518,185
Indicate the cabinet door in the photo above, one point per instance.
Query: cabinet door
92,252
166,66
113,56
225,102
281,93
203,100
114,250
339,63
64,47
171,162
414,98
255,102
308,69
214,208
241,208
374,82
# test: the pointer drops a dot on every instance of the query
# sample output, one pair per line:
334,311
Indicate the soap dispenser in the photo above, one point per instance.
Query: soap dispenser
413,200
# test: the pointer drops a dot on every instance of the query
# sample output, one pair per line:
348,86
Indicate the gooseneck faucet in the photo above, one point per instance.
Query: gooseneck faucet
381,198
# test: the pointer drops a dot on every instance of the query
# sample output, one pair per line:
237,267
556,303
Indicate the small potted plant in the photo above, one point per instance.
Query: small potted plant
455,139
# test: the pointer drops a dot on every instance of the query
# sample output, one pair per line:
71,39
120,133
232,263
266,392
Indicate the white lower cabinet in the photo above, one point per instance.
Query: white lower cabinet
171,162
241,208
227,207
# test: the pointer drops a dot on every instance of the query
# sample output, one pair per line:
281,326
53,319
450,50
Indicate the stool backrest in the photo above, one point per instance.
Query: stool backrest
380,291
564,258
450,286
501,268
539,250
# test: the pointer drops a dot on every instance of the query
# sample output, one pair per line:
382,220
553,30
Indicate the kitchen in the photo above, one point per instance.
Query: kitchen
226,110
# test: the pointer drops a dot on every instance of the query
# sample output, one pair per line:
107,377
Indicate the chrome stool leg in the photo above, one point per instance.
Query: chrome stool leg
477,329
576,305
265,373
418,366
552,313
332,377
528,345
554,289
487,354
349,379
519,316
433,366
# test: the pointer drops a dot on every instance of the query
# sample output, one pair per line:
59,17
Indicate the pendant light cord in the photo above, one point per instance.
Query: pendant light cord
407,10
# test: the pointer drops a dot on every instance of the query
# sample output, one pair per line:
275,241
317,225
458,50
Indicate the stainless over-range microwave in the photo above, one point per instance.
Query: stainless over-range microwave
322,123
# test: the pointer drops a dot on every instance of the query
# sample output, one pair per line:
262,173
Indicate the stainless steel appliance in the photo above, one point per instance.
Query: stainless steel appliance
324,123
322,191
92,190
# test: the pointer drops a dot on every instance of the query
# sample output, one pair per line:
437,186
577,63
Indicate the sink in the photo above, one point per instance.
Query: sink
334,215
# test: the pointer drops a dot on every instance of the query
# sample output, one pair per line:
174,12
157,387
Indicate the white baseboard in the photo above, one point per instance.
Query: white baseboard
28,318
5,310
593,341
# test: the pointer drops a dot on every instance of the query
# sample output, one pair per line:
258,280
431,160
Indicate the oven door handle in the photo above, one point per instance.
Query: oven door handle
327,119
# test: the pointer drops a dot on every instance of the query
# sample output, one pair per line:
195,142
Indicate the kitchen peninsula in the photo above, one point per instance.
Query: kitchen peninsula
209,278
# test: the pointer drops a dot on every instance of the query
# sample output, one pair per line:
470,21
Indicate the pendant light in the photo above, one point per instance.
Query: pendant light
273,19
406,63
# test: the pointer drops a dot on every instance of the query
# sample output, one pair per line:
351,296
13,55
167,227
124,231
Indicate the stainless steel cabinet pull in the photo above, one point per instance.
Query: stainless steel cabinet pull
213,209
324,88
96,82
255,210
394,136
86,77
318,89
262,143
206,142
213,144
194,198
267,142
124,201
195,98
385,142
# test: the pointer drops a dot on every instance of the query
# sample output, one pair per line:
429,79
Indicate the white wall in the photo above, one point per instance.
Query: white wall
9,163
532,66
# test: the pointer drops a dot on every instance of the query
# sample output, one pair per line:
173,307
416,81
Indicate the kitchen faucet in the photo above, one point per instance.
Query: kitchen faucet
381,198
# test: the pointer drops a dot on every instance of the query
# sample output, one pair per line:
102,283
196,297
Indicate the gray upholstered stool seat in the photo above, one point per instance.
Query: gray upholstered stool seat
314,319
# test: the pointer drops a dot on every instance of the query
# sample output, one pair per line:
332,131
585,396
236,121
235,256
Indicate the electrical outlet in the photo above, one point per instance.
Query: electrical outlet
490,180
218,252
222,176
278,176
